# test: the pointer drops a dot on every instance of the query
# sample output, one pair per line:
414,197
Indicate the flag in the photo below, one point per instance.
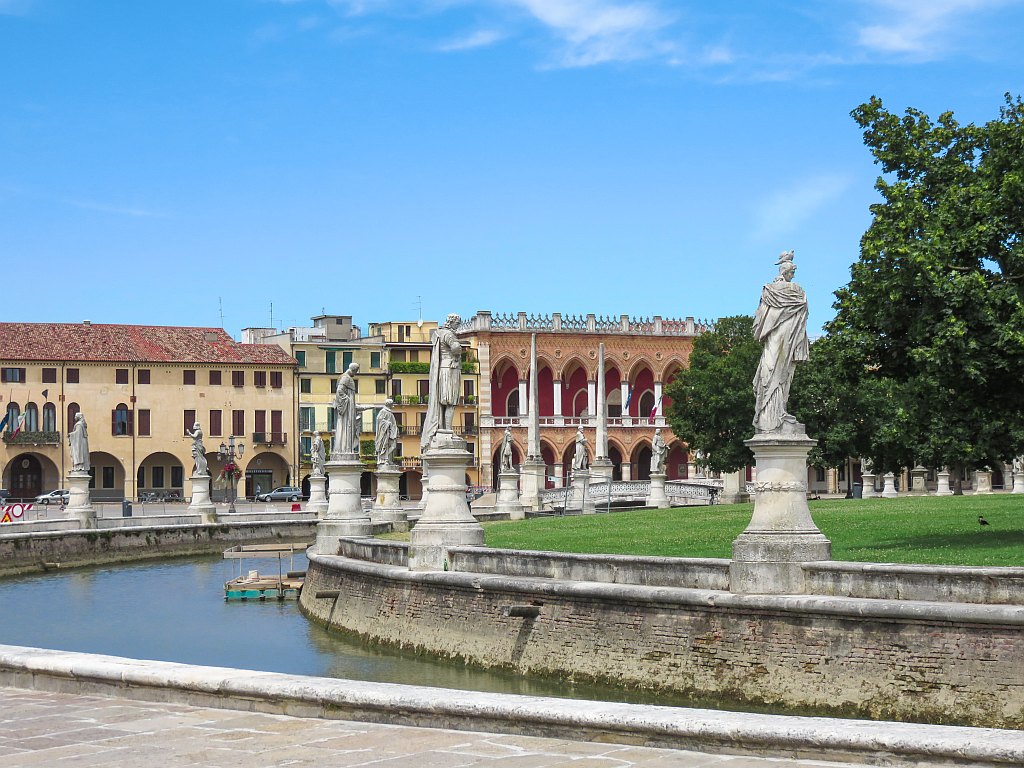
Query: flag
21,423
46,394
7,417
654,411
629,396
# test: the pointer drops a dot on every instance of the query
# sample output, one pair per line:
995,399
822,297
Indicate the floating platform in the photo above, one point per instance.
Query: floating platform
255,586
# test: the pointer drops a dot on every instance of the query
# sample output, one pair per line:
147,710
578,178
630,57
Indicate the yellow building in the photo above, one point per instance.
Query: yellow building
139,388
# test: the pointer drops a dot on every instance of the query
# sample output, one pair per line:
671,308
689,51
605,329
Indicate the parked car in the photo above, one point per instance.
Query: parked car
284,493
4,495
60,496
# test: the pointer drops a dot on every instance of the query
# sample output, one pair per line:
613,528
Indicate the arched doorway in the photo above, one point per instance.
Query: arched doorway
496,462
266,470
305,487
642,462
28,475
615,455
108,477
676,466
161,473
367,484
548,454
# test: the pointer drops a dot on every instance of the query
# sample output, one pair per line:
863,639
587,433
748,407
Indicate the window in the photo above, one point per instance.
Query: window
346,359
73,411
334,385
121,376
275,379
375,359
301,357
189,420
215,425
330,361
121,420
238,423
307,419
305,445
49,375
467,388
71,375
469,421
214,378
12,375
305,386
31,418
177,477
158,477
380,386
143,422
332,418
423,389
13,414
259,378
108,477
143,375
260,424
140,478
188,377
92,477
238,378
398,355
819,474
49,418
357,382
396,389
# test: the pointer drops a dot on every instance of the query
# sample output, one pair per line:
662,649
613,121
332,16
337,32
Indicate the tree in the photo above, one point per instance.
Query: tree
713,399
935,304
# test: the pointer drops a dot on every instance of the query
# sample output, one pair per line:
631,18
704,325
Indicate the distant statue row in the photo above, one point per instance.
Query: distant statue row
581,455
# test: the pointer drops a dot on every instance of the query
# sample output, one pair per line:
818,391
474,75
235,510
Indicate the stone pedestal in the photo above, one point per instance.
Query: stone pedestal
781,534
317,504
446,520
917,486
344,515
657,496
581,501
201,504
508,496
868,490
80,506
602,470
735,489
1018,482
942,483
982,482
889,487
531,479
387,506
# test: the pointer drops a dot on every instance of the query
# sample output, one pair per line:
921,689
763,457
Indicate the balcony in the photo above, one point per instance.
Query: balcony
270,438
33,438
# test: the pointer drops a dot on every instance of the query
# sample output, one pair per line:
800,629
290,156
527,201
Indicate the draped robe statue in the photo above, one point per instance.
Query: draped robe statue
506,451
78,440
445,381
386,439
317,456
580,459
658,452
198,450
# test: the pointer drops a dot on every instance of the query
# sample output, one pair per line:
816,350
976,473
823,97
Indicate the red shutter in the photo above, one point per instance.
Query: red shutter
275,422
113,422
190,419
144,422
261,422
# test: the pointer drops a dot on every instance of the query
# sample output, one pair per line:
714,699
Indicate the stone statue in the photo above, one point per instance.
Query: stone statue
1018,465
781,326
78,439
318,456
659,450
347,426
506,451
445,381
387,435
580,459
198,450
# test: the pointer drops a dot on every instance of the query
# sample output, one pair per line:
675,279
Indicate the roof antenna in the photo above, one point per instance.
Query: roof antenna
419,303
271,314
220,305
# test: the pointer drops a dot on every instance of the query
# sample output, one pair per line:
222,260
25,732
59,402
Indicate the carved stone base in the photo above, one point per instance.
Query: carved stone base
387,506
982,482
531,479
344,515
1018,482
869,491
581,501
917,486
602,470
446,520
508,496
767,556
317,504
201,504
942,485
889,488
734,489
80,506
657,496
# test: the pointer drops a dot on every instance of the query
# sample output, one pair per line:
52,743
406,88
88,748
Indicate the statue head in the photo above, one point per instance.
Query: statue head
388,403
353,368
508,433
195,426
657,431
453,321
786,266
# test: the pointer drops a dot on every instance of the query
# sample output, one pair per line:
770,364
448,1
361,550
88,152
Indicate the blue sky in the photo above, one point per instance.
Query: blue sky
161,160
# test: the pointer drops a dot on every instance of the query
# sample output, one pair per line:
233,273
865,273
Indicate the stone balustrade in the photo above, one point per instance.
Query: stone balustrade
556,322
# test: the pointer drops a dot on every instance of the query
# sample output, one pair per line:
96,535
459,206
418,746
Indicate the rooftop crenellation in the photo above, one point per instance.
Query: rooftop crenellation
556,322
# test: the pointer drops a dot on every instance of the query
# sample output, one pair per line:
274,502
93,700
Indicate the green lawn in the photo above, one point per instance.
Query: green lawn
911,530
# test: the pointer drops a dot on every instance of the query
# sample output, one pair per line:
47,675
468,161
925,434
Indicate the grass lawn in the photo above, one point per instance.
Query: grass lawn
925,529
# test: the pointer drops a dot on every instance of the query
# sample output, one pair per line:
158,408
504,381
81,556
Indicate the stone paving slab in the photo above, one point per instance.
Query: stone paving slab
39,728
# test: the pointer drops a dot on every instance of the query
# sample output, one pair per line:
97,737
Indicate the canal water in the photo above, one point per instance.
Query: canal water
174,610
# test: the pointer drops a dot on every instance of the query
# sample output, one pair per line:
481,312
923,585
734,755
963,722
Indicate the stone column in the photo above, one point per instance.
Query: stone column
80,506
557,470
983,482
735,490
524,400
889,489
446,520
917,486
387,505
508,496
533,469
781,535
601,467
868,482
1018,482
942,485
657,497
317,503
344,515
581,501
201,504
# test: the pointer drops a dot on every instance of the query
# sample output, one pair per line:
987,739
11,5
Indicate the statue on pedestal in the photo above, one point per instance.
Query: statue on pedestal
347,427
318,456
445,381
659,450
78,439
580,459
387,435
506,451
781,326
198,450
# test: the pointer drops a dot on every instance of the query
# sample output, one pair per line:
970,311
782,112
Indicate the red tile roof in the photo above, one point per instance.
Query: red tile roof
131,344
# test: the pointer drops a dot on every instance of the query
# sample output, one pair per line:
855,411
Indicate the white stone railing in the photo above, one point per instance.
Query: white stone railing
655,325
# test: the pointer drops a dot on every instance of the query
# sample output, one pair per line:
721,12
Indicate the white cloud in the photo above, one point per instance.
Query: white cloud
918,28
116,209
478,39
785,209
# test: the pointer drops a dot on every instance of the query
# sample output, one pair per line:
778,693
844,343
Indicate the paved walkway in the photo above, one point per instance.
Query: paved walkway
64,730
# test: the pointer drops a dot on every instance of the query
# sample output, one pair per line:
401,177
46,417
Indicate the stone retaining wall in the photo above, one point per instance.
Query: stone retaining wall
884,659
40,551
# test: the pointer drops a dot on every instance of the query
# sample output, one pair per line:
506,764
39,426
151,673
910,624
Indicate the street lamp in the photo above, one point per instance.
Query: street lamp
228,454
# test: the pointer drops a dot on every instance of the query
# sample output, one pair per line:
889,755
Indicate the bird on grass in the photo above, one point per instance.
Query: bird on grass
982,521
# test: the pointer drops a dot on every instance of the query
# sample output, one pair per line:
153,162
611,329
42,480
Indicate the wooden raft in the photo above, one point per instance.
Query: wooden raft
256,586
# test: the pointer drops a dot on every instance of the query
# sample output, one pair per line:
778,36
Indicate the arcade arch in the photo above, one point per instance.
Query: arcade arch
29,474
265,469
108,477
160,472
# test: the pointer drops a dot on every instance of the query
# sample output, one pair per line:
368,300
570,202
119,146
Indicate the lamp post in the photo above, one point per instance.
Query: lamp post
229,454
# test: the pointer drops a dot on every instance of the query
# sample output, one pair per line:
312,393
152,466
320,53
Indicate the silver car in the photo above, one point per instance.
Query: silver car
53,497
284,493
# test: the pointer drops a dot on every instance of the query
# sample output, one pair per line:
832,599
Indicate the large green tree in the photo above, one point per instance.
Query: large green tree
934,305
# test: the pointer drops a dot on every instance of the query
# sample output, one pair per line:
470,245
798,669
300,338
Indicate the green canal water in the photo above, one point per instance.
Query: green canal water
174,610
